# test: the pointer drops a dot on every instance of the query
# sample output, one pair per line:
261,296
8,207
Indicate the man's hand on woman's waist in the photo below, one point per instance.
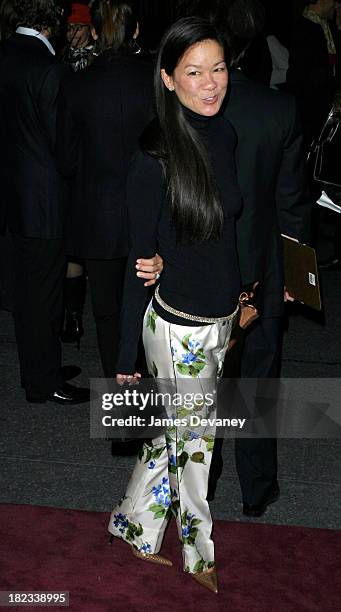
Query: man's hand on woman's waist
149,269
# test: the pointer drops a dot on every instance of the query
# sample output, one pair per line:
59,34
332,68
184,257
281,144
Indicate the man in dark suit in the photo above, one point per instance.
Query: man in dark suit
271,176
29,83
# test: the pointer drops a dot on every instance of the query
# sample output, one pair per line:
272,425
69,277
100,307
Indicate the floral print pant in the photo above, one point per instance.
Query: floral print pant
171,473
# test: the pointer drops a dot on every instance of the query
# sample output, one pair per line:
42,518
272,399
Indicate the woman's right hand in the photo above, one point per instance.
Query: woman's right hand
131,379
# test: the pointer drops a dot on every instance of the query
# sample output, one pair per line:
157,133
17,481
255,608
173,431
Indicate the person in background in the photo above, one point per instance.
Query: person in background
80,48
30,77
279,58
277,40
314,66
101,114
78,54
333,262
313,57
257,62
8,20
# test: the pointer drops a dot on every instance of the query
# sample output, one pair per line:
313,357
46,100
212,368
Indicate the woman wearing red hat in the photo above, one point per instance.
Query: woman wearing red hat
81,43
78,54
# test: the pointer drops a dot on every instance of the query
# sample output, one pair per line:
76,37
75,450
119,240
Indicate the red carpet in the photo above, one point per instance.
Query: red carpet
262,568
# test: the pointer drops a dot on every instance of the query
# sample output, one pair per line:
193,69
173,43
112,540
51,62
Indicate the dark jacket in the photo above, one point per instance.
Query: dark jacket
310,76
271,176
101,114
29,82
3,196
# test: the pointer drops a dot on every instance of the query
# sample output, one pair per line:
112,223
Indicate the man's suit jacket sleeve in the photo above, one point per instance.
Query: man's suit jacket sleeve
47,102
292,196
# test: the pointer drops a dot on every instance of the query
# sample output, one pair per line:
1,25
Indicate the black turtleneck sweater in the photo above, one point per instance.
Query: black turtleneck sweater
200,279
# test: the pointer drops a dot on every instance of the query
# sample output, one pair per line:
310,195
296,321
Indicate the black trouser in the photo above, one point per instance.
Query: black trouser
337,238
256,459
106,277
39,269
6,272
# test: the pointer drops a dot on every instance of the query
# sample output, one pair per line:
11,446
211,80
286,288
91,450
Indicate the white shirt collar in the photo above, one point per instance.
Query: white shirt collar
31,32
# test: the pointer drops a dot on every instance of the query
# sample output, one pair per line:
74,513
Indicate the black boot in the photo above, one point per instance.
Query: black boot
74,298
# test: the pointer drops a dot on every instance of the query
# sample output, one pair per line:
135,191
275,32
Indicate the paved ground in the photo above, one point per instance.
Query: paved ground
48,457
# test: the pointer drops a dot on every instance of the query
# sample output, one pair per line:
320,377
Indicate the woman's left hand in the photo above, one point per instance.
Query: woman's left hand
150,269
131,379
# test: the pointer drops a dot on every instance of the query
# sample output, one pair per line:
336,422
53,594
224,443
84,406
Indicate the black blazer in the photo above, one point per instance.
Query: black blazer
3,196
29,82
101,114
271,176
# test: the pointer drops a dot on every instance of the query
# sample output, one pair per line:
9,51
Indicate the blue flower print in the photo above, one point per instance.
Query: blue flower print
191,357
188,358
172,464
193,361
121,522
125,529
162,505
189,527
174,352
146,548
161,493
192,435
151,465
193,345
156,491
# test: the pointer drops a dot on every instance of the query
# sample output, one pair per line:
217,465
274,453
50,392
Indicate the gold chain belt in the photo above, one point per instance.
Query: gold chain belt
190,317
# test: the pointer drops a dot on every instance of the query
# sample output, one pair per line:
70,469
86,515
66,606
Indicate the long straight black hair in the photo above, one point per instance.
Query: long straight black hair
195,203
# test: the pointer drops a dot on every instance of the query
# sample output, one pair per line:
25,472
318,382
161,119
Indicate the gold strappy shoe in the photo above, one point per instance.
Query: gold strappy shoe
207,579
152,558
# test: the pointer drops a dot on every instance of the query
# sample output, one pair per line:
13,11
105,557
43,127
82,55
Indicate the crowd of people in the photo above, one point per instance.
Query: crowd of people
164,181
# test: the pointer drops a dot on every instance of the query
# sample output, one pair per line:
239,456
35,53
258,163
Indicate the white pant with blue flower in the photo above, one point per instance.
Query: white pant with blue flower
171,473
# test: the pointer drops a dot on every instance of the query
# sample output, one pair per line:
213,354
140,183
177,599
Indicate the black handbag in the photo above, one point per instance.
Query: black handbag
326,151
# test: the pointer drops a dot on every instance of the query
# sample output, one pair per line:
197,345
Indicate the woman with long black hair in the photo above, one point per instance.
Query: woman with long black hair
182,199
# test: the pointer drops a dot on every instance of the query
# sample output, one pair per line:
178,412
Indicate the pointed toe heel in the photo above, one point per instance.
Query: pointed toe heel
207,579
152,558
